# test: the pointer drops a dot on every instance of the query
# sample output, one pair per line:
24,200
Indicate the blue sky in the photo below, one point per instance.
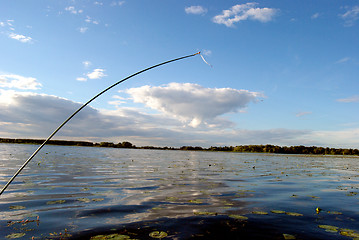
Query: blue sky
284,72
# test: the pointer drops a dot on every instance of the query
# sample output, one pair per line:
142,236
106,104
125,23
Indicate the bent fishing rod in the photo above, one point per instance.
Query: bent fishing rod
83,106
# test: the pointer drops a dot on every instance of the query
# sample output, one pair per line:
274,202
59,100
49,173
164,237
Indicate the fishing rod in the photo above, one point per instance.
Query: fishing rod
84,105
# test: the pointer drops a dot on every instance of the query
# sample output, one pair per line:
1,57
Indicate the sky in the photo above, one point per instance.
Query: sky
275,72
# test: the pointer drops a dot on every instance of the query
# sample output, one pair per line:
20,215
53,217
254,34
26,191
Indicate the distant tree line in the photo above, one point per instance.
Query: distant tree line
52,142
244,148
113,145
278,149
295,150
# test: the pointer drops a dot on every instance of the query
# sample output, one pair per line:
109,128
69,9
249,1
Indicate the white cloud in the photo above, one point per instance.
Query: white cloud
89,20
195,10
315,15
19,82
31,115
343,60
72,10
193,103
117,3
8,25
206,52
349,99
81,79
20,37
243,12
86,64
98,3
350,16
83,29
96,74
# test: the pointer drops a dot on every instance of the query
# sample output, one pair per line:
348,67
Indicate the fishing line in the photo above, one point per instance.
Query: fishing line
204,60
84,105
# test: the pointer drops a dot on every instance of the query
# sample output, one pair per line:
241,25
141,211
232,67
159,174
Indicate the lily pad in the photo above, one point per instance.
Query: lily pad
294,214
16,207
114,236
15,235
260,212
206,213
56,202
158,234
236,216
278,211
329,228
86,200
288,236
349,233
97,199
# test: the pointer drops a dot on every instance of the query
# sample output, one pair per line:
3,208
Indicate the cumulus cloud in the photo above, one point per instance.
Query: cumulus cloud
191,102
350,16
243,12
195,10
96,74
19,82
349,99
32,115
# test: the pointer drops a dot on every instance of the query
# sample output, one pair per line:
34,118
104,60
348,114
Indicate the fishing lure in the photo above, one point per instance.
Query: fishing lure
84,105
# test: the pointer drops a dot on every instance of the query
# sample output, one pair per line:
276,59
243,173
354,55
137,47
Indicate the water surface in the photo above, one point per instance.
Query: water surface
80,192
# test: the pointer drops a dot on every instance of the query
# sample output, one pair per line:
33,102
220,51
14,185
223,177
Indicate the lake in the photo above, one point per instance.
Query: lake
82,192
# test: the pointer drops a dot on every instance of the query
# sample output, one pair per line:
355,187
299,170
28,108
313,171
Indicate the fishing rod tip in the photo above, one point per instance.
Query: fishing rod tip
197,53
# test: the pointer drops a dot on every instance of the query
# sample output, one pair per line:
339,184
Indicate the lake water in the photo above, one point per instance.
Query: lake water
82,192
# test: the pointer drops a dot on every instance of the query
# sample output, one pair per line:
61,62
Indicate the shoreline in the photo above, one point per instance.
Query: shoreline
313,150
